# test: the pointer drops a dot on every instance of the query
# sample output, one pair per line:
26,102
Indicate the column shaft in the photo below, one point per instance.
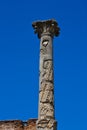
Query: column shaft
46,30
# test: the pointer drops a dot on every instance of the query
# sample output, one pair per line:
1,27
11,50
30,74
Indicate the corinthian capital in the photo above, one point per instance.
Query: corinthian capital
48,27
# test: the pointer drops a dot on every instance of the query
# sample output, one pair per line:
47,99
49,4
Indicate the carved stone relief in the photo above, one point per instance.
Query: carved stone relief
46,111
46,86
46,124
48,26
43,51
46,30
45,96
46,106
47,73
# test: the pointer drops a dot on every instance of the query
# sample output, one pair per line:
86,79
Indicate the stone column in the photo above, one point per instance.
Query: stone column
46,30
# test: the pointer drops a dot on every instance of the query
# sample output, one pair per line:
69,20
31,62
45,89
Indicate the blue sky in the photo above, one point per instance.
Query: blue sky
19,60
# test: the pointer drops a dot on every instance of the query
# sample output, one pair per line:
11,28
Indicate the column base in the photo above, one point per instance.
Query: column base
46,124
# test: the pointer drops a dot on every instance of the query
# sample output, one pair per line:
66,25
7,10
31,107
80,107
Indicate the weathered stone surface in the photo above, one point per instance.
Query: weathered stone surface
46,27
47,73
46,30
18,125
46,111
31,125
46,86
46,124
11,125
45,96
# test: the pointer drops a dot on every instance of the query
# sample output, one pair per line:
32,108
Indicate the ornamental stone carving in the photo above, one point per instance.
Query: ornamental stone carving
46,86
46,30
45,96
47,70
46,27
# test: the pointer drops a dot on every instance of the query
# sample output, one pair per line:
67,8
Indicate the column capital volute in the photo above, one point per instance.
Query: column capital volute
47,27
